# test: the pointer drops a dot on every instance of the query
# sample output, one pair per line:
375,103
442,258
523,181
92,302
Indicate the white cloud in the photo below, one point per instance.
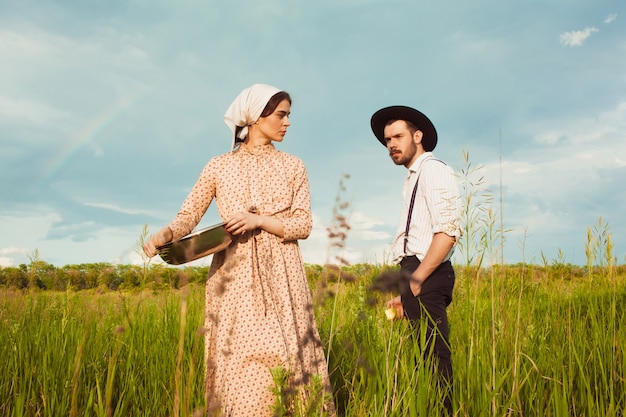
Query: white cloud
118,209
610,18
583,147
362,222
557,184
6,261
315,247
35,44
9,254
12,249
576,37
361,234
25,110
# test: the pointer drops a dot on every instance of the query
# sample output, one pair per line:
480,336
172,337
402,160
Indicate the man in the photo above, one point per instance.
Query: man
428,229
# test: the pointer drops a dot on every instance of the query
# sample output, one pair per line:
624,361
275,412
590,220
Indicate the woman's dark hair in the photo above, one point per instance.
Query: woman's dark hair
271,105
274,102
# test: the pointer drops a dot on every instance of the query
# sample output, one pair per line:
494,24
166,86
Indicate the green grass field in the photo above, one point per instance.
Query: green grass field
527,341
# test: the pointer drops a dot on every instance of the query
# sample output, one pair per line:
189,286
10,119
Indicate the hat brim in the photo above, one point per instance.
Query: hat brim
419,119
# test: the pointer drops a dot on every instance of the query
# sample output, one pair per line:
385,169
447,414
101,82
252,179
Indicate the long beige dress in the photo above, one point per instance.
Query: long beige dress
259,313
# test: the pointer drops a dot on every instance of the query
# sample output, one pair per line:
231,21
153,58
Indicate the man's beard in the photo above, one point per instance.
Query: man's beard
404,158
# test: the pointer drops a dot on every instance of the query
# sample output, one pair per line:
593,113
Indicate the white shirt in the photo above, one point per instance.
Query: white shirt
437,207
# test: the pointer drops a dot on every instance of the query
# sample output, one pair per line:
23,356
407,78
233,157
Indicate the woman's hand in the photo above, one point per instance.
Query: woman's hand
242,222
160,238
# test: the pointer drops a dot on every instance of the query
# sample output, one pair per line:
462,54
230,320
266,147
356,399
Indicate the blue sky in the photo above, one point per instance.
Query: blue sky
109,110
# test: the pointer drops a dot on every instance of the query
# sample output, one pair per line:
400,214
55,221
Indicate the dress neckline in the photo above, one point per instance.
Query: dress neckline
257,149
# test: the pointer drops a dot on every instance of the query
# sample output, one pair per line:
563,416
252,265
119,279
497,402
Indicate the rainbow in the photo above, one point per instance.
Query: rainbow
87,133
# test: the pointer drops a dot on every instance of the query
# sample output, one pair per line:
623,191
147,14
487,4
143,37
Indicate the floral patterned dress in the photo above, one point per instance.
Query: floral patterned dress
259,313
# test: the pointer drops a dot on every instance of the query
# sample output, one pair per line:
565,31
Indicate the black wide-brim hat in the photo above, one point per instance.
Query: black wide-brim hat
419,119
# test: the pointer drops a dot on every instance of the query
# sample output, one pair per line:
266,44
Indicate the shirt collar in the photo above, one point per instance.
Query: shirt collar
416,166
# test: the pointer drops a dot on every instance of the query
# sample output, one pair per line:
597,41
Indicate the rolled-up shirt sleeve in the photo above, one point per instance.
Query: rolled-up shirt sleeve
443,199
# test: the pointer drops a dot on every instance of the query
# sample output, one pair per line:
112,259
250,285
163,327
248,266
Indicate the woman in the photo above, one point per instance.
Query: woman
259,315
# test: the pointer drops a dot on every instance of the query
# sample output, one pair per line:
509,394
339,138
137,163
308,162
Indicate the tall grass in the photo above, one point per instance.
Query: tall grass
536,346
100,354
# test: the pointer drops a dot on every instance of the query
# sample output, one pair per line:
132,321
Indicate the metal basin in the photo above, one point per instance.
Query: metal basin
196,245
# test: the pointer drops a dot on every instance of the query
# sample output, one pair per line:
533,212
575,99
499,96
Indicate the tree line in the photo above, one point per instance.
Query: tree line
42,275
104,276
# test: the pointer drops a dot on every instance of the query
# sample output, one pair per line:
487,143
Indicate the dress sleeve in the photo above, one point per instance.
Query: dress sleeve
443,199
196,203
299,223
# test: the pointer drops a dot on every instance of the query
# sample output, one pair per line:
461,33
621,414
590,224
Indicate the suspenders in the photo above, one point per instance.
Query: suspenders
408,219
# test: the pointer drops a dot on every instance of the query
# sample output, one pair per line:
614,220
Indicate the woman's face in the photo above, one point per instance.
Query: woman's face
274,126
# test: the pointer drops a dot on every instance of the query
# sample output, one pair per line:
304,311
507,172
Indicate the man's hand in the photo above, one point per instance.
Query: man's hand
396,304
416,285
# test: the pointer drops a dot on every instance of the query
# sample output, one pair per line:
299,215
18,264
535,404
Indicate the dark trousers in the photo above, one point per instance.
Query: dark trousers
430,305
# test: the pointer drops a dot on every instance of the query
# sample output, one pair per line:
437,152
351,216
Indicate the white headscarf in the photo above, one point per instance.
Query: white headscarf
247,108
